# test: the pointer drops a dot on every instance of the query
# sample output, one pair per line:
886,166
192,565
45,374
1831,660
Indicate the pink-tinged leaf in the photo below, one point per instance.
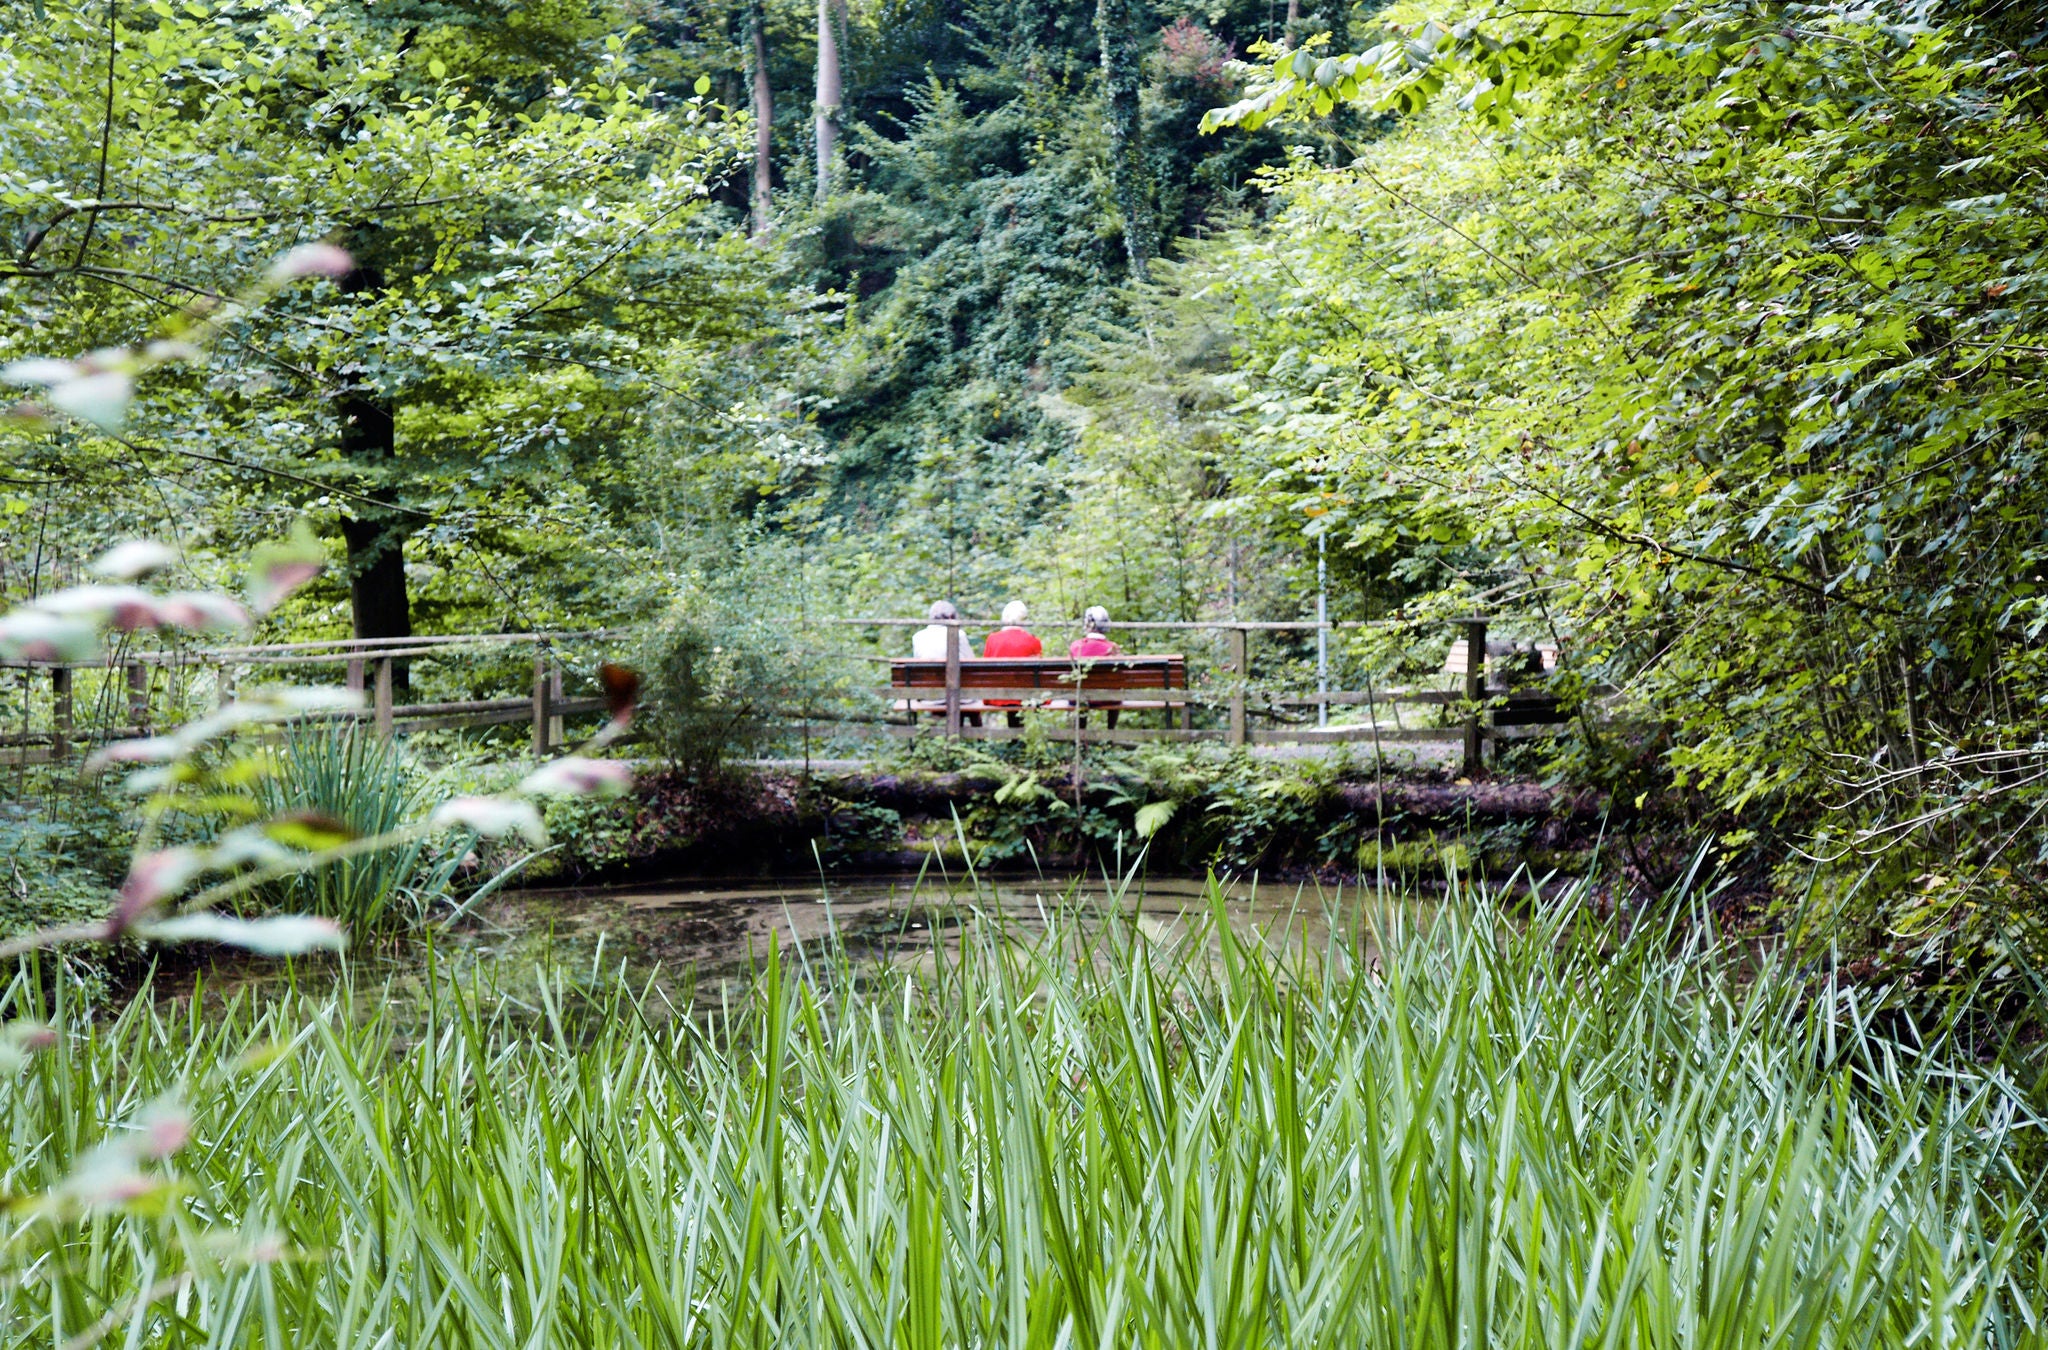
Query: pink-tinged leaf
135,559
283,935
491,817
30,635
153,878
102,359
99,399
127,608
29,416
38,370
312,260
163,1129
166,350
277,569
574,776
146,750
32,1037
202,612
107,1178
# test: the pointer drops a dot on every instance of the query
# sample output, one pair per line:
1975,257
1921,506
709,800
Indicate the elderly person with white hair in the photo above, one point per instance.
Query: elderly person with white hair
1013,638
1094,640
929,643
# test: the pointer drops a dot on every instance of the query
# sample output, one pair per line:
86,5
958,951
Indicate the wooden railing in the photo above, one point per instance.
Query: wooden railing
1480,713
135,691
139,691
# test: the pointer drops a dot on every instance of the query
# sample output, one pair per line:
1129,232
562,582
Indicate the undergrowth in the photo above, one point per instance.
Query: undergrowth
1443,1127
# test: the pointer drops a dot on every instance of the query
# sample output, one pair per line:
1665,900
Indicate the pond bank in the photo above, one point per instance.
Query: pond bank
1281,820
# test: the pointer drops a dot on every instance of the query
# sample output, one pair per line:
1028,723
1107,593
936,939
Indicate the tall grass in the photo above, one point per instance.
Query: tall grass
1459,1132
348,774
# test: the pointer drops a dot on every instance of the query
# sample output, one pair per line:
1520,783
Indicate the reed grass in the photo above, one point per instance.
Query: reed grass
1451,1131
346,773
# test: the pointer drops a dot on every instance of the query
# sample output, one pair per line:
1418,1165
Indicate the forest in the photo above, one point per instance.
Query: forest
1580,878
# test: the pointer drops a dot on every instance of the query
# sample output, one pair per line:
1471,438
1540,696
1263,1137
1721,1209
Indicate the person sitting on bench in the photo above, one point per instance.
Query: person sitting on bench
1013,639
929,643
1093,642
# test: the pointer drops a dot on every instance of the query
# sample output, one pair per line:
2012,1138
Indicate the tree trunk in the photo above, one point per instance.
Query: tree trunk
1121,77
378,603
764,121
829,94
1293,22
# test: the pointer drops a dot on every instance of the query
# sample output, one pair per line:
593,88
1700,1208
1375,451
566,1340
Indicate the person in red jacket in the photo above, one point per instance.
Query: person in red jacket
1012,639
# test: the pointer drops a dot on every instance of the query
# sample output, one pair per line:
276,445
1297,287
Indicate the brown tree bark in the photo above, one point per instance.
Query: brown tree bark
379,604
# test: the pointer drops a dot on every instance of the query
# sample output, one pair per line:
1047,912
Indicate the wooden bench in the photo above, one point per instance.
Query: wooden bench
1003,683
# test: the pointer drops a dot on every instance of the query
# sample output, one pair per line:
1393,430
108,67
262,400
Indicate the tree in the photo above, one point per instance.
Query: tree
530,233
830,92
1122,76
763,200
1708,357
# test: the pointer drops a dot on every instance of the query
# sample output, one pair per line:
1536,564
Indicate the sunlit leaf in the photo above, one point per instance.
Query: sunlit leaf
152,879
312,260
134,559
575,776
277,569
491,817
282,935
31,635
100,399
310,831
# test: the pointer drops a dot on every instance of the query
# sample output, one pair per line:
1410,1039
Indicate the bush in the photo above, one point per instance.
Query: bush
348,775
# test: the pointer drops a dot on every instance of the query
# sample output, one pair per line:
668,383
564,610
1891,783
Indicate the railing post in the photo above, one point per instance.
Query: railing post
60,691
540,699
381,703
1240,671
224,685
953,678
557,735
354,677
1475,692
138,696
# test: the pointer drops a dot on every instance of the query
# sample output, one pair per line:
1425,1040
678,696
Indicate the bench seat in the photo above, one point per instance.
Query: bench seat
1003,683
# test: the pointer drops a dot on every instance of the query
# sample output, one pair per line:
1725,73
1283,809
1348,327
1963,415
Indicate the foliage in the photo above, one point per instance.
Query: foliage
1527,1133
531,258
1702,337
726,659
346,774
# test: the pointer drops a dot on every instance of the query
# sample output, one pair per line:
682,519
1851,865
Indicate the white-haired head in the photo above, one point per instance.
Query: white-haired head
1015,612
941,611
1095,619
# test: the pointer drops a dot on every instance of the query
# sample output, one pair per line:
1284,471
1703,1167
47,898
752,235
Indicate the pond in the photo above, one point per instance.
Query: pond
707,932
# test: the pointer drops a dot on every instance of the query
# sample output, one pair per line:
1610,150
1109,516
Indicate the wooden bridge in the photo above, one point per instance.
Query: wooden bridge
541,679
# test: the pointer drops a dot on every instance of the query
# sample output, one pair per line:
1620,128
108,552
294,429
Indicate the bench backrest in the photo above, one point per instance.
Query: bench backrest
1052,674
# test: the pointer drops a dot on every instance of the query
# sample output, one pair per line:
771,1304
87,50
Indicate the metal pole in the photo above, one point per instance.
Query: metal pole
1322,633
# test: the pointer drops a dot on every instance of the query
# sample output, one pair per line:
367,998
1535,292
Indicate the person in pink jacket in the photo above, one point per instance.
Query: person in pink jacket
1093,642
